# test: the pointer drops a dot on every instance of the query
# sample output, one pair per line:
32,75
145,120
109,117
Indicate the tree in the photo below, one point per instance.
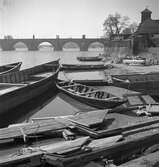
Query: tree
115,24
8,37
131,28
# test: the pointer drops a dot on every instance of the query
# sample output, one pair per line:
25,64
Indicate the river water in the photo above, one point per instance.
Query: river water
52,103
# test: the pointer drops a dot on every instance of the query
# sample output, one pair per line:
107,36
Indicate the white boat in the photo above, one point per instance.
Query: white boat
134,61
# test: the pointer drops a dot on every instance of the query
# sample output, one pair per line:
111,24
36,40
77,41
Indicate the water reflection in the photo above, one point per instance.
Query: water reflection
27,109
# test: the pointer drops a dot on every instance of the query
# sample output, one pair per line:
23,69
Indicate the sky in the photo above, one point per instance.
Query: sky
66,18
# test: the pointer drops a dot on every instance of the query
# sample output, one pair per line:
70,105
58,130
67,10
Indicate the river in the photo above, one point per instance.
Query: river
51,103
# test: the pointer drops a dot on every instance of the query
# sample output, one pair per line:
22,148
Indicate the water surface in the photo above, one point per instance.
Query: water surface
52,103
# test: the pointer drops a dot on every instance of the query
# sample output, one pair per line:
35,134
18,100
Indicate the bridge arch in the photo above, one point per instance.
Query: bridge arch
70,46
45,46
95,46
20,46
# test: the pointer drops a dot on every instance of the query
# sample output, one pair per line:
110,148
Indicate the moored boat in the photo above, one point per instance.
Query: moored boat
4,69
19,87
99,66
90,58
134,61
90,95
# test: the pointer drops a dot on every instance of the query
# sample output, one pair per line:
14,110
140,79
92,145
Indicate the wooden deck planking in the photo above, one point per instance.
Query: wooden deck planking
53,124
90,118
148,99
32,128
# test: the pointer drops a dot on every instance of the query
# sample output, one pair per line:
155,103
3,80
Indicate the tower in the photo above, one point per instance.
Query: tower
145,15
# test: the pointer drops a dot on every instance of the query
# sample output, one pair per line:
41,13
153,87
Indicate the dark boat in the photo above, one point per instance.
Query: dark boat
19,87
90,95
10,68
80,67
90,58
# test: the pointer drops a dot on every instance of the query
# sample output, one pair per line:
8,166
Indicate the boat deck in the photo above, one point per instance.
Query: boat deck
122,69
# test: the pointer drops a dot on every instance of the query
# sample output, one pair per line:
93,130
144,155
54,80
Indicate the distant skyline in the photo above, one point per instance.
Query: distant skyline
67,18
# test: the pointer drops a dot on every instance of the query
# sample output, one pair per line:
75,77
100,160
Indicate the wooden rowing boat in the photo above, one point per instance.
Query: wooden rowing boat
10,68
90,58
19,87
134,61
81,67
90,95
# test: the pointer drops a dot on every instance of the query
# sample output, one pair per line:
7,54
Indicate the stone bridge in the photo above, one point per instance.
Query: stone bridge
57,43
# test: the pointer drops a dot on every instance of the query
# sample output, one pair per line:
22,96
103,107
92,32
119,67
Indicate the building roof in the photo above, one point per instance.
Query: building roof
146,11
149,27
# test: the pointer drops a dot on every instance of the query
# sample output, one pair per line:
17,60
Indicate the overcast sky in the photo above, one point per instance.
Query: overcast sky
67,18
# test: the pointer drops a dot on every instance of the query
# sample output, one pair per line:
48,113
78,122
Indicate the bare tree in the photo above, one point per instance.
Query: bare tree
115,23
8,37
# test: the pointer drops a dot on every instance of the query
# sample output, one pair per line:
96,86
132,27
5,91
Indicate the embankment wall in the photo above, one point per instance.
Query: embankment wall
118,49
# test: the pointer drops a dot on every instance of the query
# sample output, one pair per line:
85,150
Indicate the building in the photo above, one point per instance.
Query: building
148,26
147,34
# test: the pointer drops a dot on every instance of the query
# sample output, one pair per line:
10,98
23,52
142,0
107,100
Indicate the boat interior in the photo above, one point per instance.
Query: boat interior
15,80
6,67
86,91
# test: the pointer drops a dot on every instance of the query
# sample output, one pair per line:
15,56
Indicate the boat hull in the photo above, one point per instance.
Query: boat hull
134,62
10,68
89,58
94,102
19,96
79,67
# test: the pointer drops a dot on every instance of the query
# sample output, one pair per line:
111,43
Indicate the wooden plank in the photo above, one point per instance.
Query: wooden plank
116,131
153,108
134,100
86,93
123,149
31,159
64,146
31,128
90,118
103,142
53,124
30,153
148,99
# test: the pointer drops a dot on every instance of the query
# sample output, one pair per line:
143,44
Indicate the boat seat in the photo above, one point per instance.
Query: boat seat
9,89
44,75
67,86
85,93
71,90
